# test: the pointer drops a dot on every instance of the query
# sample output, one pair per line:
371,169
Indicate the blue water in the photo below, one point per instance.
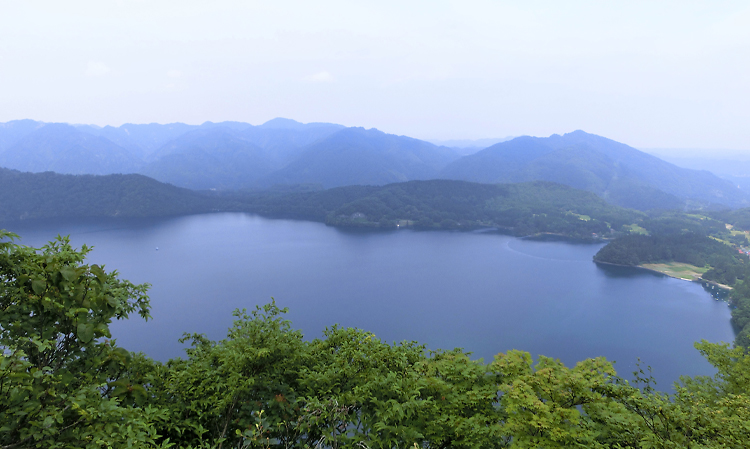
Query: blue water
484,292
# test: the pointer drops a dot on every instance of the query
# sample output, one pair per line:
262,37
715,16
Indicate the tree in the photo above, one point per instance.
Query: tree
61,377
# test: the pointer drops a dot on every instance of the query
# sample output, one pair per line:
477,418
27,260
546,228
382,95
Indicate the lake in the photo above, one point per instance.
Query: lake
481,291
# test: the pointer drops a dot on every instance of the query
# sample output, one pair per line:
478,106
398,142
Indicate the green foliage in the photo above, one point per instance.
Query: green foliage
519,209
738,217
269,388
541,404
222,387
60,377
64,384
688,248
50,195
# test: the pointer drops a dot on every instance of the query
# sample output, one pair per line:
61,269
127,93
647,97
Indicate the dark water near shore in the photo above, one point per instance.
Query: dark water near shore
483,292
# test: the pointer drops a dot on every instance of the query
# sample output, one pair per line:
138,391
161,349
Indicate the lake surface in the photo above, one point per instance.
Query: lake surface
484,292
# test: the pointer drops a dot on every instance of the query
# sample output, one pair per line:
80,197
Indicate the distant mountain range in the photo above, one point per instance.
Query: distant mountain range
235,155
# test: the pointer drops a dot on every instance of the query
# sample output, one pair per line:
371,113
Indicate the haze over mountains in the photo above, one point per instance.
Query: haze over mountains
235,155
619,173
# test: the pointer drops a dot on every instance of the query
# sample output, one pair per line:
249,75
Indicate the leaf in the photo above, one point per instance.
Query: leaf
69,273
39,286
99,273
48,422
103,329
85,332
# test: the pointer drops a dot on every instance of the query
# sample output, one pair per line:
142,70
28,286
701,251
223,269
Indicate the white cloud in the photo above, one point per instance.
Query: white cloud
321,77
174,74
96,69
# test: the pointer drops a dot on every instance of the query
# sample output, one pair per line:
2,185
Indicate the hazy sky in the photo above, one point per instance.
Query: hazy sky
650,74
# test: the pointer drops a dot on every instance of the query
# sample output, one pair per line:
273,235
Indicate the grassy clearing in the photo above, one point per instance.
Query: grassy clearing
635,229
677,270
580,217
720,240
742,233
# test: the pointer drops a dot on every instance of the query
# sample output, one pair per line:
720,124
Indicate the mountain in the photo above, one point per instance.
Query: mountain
278,134
619,173
51,195
236,155
213,158
232,155
360,156
732,167
284,140
465,147
13,131
62,148
143,140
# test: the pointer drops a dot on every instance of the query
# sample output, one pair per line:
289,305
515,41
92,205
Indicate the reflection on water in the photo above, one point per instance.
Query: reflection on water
484,292
617,271
621,272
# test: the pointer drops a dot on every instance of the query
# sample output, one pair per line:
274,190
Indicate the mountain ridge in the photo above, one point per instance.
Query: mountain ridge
608,168
236,155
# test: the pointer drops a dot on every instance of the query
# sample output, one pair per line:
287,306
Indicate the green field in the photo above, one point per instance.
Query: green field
677,270
635,229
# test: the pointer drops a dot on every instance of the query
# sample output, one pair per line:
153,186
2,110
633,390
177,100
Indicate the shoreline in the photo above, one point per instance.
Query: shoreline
698,280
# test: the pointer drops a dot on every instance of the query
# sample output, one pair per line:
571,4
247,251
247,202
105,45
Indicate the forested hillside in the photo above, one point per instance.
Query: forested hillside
70,385
213,158
519,209
619,173
690,248
25,196
364,156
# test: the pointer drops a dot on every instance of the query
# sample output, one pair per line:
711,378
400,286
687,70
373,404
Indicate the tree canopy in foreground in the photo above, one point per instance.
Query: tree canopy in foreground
64,383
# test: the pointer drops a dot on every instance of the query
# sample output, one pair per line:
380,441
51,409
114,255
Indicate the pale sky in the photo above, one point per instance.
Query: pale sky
649,74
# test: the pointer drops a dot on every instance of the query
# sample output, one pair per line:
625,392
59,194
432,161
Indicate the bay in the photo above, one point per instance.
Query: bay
484,292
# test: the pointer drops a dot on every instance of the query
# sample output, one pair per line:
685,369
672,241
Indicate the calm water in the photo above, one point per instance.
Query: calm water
483,292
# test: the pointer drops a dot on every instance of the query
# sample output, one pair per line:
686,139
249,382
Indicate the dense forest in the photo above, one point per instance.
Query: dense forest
26,196
688,247
65,383
519,209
